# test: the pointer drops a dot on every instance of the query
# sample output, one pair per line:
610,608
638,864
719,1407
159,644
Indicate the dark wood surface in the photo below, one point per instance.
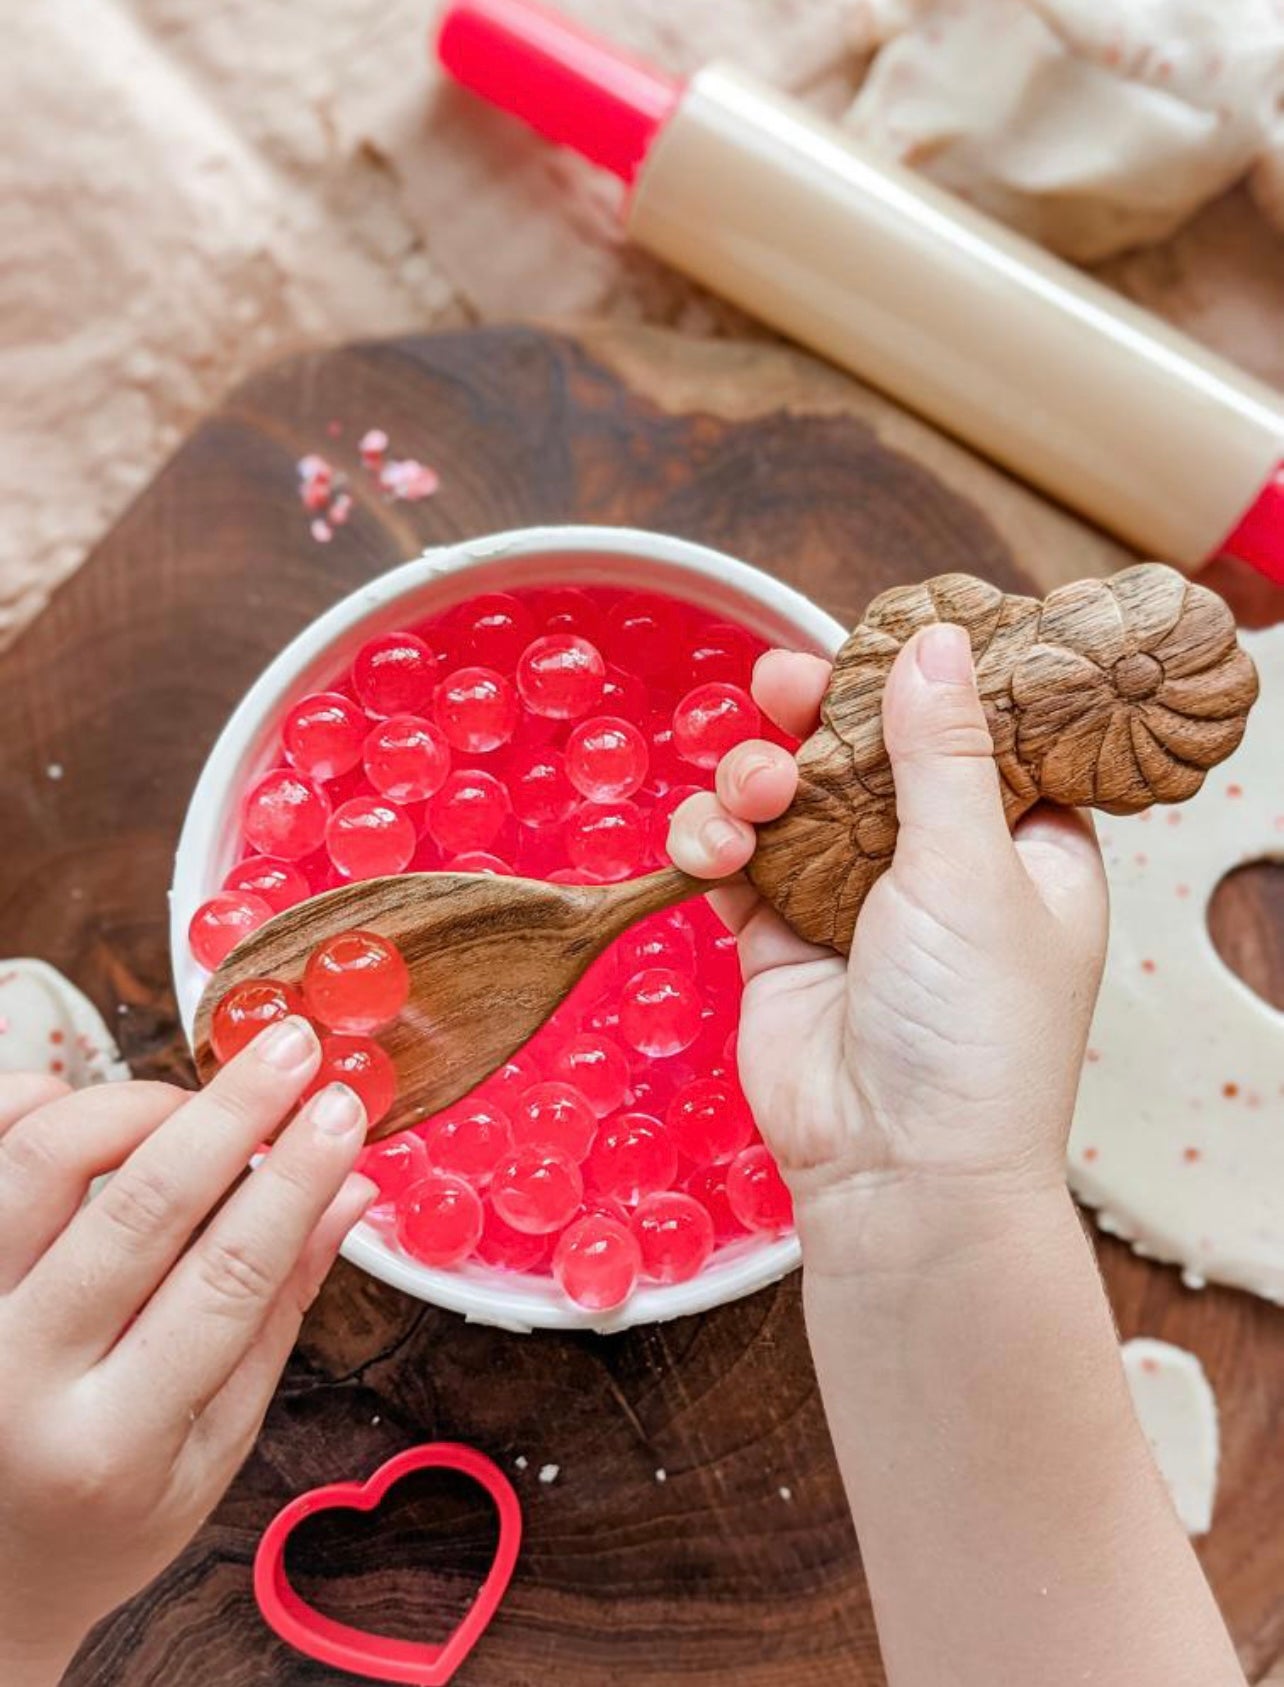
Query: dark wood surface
713,1575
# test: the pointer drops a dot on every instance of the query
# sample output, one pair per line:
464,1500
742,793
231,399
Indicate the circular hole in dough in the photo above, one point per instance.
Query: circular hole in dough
1246,925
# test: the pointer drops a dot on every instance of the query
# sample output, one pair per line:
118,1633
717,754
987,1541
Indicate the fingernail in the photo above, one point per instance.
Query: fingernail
360,1192
752,768
336,1111
287,1045
945,655
717,835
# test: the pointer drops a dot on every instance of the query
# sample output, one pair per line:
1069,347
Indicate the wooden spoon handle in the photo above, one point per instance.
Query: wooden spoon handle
1112,693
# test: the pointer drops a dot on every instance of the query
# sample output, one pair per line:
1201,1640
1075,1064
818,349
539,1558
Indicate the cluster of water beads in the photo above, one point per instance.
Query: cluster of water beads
551,733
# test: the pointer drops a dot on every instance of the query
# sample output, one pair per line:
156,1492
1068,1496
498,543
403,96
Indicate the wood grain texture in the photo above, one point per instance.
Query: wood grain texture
1111,694
490,958
711,1576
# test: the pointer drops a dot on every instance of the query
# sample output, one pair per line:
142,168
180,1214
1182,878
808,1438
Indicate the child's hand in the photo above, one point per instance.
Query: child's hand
944,1056
141,1336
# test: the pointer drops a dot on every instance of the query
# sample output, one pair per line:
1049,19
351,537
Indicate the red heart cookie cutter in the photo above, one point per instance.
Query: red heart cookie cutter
376,1656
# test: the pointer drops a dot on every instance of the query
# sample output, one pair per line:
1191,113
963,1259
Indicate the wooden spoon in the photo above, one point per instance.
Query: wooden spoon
1116,693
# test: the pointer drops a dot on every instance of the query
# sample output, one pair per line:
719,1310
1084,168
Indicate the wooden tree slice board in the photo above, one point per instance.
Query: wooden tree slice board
741,1565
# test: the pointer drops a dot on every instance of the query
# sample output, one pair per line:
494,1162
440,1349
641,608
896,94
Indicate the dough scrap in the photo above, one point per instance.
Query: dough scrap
1178,1136
1178,1413
48,1025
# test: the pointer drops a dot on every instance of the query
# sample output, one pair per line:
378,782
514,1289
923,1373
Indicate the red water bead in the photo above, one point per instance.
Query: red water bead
323,734
606,758
494,629
406,758
469,1139
662,812
285,815
661,940
607,840
393,675
360,1063
439,1220
506,1086
476,709
675,1235
561,676
395,1165
709,1121
709,1187
597,1262
369,837
356,981
667,767
565,609
722,653
512,1250
541,794
596,1067
555,1115
644,635
279,883
660,1012
246,1008
479,861
218,925
631,1157
757,1193
536,1189
711,720
468,811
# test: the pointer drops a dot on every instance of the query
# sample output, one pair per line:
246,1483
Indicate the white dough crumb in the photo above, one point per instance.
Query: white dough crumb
54,770
521,1461
786,1494
376,1419
549,1473
662,1476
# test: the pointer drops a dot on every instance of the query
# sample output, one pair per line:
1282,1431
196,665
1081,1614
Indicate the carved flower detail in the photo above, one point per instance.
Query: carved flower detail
1133,689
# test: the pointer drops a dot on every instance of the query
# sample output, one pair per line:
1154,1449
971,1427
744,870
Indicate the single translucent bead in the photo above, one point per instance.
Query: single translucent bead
494,629
479,861
356,981
439,1220
369,838
631,1157
675,1235
606,759
561,676
323,735
660,1012
218,925
395,1165
709,1120
566,609
406,758
476,709
244,1011
644,635
555,1115
279,883
541,794
721,654
626,695
607,841
709,1187
360,1063
469,1139
597,1262
512,1250
285,815
711,720
661,940
393,675
596,1067
468,811
757,1193
536,1189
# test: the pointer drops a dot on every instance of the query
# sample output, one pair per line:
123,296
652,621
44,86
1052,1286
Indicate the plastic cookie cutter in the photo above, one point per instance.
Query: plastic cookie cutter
376,1656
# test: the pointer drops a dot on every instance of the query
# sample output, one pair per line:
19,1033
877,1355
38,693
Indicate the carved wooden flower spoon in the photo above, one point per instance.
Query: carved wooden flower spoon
1117,693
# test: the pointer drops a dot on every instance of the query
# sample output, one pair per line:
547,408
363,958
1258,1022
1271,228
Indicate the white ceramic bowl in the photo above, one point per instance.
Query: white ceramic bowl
535,556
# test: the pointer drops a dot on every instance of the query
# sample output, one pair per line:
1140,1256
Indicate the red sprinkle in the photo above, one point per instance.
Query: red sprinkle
1148,966
1190,1155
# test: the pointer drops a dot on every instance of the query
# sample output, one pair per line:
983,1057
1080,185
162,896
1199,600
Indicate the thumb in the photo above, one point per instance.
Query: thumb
942,755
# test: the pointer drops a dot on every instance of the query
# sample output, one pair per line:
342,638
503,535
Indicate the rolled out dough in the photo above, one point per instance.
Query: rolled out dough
1178,1413
1178,1137
48,1025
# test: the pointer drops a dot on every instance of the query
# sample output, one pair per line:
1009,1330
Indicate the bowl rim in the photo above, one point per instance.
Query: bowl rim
737,1270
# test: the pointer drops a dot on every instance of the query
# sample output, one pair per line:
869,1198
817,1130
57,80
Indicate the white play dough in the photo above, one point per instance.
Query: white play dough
47,1025
1178,1413
1178,1138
